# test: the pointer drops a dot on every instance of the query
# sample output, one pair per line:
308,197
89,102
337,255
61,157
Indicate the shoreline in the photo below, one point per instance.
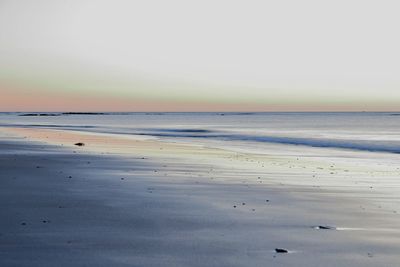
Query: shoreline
181,213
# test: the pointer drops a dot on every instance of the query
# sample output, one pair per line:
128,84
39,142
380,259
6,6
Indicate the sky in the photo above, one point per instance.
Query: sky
199,55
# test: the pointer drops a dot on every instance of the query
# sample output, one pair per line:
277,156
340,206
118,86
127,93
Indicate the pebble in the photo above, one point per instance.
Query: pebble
79,144
324,227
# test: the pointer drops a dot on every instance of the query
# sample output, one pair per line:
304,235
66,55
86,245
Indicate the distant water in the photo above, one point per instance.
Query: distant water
375,132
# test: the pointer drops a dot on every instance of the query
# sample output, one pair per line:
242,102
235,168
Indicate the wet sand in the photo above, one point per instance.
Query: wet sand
120,201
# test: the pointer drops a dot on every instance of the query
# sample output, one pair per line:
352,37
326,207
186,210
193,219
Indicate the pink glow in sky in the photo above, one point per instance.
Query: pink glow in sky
199,55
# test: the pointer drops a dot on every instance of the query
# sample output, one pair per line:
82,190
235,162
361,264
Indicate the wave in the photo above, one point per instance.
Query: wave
48,126
361,145
179,130
377,146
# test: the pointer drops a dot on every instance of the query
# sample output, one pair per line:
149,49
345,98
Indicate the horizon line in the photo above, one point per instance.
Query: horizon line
240,112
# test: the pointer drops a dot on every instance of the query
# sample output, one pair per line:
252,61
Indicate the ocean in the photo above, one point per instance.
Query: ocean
363,131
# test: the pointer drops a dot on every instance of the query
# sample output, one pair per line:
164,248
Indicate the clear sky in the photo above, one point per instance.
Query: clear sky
199,55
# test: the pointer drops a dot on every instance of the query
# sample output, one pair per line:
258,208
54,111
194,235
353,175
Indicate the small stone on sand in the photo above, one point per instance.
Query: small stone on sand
79,144
324,227
281,250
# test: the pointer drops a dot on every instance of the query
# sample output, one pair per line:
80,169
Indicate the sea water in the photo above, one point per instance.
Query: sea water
362,131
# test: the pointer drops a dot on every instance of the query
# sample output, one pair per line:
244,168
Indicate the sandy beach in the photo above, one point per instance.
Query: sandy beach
199,133
134,201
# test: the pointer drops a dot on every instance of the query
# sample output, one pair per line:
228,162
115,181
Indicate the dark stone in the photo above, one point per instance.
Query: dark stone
324,227
79,144
281,250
